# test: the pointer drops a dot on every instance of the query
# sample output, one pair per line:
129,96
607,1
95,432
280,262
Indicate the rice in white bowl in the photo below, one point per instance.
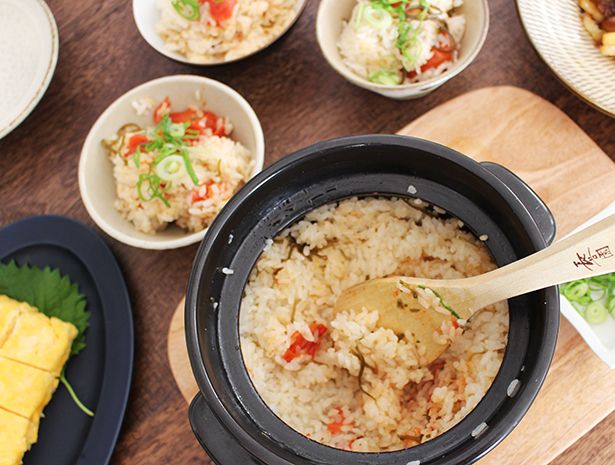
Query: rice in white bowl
352,384
373,52
252,25
220,167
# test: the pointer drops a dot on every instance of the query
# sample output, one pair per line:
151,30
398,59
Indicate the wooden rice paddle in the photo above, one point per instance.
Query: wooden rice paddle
589,252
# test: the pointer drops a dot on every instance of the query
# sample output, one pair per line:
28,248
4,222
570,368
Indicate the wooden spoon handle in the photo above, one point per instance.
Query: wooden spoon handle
590,252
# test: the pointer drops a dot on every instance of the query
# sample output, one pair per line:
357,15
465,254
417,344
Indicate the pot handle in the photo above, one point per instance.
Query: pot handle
534,204
219,444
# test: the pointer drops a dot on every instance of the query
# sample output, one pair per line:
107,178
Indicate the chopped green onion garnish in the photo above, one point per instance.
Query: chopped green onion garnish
385,78
595,313
593,298
389,63
177,130
411,16
170,141
136,157
576,290
189,168
359,15
377,17
171,168
189,9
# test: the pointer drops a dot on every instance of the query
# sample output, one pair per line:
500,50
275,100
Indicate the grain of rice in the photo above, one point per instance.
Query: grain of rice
513,387
480,429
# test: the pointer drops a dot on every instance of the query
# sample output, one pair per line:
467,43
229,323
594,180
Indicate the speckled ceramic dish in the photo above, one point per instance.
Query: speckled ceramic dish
29,47
556,32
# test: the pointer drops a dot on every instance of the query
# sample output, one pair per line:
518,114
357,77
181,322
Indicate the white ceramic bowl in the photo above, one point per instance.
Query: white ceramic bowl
332,13
96,181
147,15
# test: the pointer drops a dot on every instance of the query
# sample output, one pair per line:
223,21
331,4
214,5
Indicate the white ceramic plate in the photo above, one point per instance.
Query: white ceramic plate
28,55
147,15
556,32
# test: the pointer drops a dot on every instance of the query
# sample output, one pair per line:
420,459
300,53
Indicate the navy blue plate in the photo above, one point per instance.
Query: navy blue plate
102,372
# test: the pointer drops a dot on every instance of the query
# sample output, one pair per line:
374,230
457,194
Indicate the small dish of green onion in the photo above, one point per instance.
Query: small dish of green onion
593,298
589,305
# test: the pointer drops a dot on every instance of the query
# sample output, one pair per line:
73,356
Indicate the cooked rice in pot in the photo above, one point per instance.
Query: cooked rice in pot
252,25
340,379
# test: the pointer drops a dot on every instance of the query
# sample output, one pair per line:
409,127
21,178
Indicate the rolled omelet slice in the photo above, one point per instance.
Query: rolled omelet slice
33,351
39,341
10,310
14,431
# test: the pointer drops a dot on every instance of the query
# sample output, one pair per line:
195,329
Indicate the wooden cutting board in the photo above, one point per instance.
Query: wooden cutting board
544,147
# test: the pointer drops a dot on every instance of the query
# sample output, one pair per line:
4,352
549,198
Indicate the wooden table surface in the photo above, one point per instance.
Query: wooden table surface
299,99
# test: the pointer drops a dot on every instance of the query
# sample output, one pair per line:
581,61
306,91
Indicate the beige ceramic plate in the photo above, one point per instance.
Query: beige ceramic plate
28,55
557,34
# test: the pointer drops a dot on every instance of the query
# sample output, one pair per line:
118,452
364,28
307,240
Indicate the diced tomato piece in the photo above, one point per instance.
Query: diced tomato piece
194,126
336,425
439,57
184,116
299,346
219,131
196,196
224,187
221,10
134,142
161,110
211,121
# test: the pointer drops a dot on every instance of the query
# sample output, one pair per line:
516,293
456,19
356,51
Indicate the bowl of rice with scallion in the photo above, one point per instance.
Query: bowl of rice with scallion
401,49
165,158
209,32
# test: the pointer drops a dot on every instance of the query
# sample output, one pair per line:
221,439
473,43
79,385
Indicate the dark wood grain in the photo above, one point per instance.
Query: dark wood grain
299,99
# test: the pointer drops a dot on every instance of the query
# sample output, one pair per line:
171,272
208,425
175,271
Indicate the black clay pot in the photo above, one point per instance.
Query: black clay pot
230,419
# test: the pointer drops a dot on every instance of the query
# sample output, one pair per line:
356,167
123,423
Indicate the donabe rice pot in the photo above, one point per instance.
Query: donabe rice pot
341,379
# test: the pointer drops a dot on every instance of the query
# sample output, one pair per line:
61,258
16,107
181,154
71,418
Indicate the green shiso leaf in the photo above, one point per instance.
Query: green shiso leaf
50,293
